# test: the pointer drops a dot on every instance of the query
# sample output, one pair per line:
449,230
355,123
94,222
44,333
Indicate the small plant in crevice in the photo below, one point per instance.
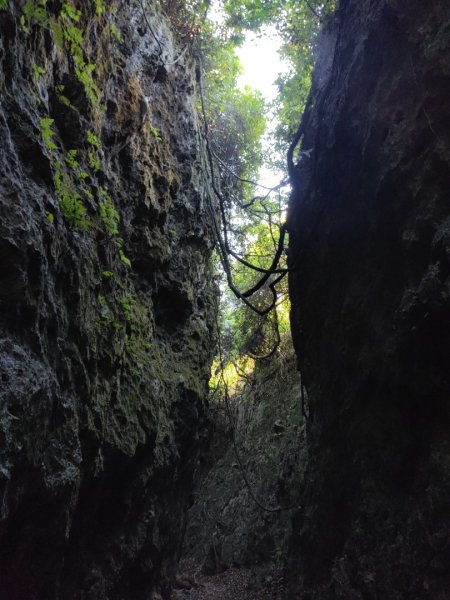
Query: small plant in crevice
33,11
108,213
74,37
62,99
47,133
37,71
93,140
100,7
116,36
155,133
106,314
127,303
67,32
94,147
123,257
70,202
70,12
72,161
74,170
94,161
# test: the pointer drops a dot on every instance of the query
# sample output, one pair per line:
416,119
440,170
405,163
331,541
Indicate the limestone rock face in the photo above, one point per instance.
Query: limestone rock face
232,522
105,299
370,243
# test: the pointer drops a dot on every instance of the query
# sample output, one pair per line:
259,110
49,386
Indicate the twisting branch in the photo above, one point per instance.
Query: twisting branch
144,14
274,347
254,183
313,10
223,244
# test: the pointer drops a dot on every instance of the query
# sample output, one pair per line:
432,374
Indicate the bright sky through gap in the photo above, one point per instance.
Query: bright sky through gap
261,62
261,65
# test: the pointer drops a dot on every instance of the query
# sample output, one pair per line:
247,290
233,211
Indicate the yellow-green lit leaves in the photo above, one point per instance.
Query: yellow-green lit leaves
93,140
108,213
47,133
127,303
34,11
37,71
126,261
100,7
70,202
93,150
116,36
74,36
70,12
155,133
67,29
72,161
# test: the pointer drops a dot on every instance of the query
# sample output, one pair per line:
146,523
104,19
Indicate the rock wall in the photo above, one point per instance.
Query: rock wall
105,332
226,526
370,244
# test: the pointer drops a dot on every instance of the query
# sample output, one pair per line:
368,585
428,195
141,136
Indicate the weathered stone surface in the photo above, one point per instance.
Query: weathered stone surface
369,232
226,526
103,365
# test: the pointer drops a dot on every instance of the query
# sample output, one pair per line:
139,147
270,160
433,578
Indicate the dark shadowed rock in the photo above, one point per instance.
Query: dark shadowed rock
369,231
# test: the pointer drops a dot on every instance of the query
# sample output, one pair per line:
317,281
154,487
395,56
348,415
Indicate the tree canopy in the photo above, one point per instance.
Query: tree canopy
252,217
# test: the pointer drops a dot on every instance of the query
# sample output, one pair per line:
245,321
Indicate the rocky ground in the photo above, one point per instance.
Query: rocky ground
232,584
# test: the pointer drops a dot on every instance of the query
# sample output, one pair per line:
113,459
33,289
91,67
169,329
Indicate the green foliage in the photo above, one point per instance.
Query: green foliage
71,159
70,12
123,257
236,125
47,133
71,205
4,4
64,100
93,140
70,174
74,37
33,11
108,213
298,23
37,71
66,30
84,73
106,315
115,33
154,132
94,161
95,146
58,32
127,303
100,7
50,217
235,116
